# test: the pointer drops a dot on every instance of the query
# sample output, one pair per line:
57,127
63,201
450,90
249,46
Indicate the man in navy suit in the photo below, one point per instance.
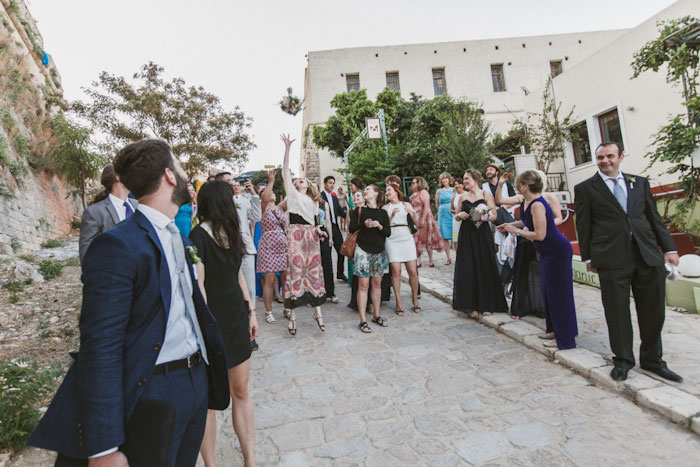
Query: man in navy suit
335,212
145,330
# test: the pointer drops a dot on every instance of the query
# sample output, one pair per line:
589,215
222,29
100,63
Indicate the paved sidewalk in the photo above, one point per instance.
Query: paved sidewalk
435,389
681,337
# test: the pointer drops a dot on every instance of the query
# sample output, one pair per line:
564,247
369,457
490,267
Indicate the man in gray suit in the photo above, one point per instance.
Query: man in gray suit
111,206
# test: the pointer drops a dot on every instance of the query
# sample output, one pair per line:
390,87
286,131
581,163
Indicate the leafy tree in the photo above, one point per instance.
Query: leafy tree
547,134
191,119
261,177
425,137
72,156
676,141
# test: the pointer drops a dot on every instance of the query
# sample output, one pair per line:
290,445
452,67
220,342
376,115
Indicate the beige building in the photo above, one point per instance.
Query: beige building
498,73
609,105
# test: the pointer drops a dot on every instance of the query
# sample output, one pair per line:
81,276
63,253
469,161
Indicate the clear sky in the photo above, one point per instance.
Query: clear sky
249,52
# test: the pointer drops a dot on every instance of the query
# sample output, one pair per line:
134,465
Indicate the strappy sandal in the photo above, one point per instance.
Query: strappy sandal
551,344
319,320
399,312
448,262
431,265
270,318
292,327
416,308
380,321
364,327
546,336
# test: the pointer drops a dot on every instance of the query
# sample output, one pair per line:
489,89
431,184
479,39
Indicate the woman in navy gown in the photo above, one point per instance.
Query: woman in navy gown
538,225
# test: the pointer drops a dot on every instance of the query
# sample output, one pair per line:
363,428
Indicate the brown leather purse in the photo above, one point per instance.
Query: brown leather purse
347,249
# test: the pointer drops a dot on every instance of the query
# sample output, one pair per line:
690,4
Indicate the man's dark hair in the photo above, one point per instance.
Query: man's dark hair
220,176
611,143
140,165
328,177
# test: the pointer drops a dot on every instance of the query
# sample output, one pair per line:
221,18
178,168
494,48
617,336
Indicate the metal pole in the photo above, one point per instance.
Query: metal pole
383,123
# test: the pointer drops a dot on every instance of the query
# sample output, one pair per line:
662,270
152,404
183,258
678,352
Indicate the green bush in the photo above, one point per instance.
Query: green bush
27,258
22,386
50,269
53,243
75,224
74,261
15,244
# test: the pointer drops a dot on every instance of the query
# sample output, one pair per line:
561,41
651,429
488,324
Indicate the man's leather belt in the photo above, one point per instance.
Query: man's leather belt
175,365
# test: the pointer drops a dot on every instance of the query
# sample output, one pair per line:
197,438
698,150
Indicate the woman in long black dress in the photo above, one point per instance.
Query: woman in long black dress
477,284
555,259
220,248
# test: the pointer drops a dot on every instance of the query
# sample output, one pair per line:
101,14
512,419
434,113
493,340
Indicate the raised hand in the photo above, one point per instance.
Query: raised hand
271,175
287,140
505,177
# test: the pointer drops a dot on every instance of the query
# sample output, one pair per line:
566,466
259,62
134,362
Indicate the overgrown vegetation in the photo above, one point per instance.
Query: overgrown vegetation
15,288
50,269
676,141
23,385
73,156
53,243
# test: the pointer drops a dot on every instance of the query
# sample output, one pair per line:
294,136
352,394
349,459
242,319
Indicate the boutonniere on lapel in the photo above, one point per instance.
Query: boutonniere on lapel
192,251
631,181
238,205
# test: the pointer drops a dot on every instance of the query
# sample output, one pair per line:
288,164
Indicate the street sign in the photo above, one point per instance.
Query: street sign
374,128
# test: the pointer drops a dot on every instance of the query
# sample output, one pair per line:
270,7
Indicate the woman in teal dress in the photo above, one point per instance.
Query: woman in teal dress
443,198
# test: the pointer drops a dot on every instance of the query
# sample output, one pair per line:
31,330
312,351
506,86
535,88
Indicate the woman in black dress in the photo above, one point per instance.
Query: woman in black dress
477,284
220,248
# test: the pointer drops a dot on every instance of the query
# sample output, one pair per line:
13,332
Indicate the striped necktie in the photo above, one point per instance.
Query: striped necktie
620,194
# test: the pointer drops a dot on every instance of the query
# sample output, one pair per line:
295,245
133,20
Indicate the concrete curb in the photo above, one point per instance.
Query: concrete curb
655,394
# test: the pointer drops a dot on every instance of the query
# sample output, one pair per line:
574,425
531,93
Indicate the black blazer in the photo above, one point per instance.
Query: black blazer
339,212
604,229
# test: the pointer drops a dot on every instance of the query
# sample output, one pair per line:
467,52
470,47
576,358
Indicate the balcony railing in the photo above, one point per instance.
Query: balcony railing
556,181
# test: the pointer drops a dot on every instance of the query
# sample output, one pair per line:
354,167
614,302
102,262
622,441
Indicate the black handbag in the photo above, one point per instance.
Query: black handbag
411,226
503,217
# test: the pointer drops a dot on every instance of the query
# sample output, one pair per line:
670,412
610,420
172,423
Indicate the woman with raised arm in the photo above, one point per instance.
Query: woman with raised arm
477,284
427,237
272,249
400,247
304,284
370,255
220,250
526,286
538,225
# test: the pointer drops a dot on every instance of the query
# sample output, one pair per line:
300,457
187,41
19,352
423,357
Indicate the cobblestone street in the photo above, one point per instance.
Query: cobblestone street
436,389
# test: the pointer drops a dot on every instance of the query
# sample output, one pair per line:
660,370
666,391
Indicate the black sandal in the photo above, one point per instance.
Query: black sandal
364,327
318,319
399,312
292,327
416,308
380,321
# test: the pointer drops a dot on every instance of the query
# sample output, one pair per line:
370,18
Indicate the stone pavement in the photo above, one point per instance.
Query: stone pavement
681,339
435,389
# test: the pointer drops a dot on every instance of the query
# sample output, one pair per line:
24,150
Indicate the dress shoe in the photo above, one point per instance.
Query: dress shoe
619,374
664,373
254,345
342,278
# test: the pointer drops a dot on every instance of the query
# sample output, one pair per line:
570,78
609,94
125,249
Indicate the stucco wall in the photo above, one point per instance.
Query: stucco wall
602,82
467,67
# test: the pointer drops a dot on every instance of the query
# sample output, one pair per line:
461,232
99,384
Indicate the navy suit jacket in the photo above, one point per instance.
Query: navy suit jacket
126,301
339,212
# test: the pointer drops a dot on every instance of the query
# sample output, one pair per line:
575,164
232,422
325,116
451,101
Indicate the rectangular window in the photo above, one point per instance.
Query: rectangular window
499,81
439,81
352,81
610,128
392,80
579,140
555,67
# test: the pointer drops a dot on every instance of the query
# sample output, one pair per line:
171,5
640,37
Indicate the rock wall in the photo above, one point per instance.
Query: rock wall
35,205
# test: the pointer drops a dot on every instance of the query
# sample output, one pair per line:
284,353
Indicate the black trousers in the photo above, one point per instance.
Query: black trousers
337,243
327,265
648,285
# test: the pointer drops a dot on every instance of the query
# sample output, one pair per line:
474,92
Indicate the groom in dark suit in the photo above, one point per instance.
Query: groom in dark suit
621,235
149,347
336,212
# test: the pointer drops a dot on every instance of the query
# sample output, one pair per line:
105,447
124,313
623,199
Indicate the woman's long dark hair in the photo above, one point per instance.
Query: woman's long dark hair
215,205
